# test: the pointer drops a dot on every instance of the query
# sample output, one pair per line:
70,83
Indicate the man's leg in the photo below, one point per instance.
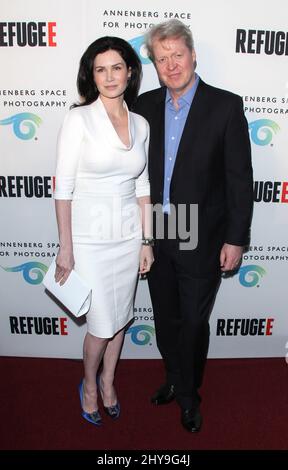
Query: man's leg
163,286
196,301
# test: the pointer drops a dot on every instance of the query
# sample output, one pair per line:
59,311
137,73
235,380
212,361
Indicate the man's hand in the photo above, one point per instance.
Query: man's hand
230,257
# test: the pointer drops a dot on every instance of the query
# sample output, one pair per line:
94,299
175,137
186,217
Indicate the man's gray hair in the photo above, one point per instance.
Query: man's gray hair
168,29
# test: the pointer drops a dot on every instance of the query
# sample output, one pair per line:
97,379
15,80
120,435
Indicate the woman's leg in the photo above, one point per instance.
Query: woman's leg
93,350
110,359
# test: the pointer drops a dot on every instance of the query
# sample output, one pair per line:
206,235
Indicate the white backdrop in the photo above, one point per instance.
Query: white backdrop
40,47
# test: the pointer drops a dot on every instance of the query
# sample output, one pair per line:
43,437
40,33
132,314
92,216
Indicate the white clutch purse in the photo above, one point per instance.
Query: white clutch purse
74,294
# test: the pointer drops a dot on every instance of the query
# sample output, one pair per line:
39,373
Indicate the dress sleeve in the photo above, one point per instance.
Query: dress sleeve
68,153
142,182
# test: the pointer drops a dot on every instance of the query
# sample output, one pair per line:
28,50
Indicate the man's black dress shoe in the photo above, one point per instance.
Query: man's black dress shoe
164,395
191,420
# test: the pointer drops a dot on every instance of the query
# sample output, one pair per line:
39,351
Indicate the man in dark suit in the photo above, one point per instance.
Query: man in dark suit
199,155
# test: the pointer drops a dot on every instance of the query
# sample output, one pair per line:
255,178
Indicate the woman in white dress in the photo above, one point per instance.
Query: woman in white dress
102,193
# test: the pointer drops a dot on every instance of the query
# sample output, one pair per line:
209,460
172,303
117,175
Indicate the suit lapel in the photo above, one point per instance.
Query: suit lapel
159,130
195,120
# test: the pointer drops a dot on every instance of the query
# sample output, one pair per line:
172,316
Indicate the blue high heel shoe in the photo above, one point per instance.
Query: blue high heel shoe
112,411
95,417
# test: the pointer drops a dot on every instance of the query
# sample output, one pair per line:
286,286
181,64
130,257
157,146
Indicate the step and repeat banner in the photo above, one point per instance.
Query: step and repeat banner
240,46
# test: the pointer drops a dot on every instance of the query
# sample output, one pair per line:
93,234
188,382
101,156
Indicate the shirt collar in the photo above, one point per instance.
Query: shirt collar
188,96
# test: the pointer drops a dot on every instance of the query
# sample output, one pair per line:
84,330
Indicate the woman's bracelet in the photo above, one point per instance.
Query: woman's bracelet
148,241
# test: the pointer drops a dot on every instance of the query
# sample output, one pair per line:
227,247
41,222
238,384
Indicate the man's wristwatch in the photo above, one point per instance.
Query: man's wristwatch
148,241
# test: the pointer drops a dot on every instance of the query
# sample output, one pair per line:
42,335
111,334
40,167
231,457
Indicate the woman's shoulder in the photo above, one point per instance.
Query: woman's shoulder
139,120
74,119
74,112
77,114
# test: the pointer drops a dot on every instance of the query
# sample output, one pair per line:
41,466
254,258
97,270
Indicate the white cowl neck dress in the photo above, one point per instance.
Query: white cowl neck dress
103,178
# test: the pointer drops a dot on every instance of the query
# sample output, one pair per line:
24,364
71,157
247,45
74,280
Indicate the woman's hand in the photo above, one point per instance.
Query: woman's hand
64,265
146,259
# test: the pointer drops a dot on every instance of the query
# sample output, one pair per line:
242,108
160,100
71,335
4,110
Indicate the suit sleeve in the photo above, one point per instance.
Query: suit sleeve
68,154
238,176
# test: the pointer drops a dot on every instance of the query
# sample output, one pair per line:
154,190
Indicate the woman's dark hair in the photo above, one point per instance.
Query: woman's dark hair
85,81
